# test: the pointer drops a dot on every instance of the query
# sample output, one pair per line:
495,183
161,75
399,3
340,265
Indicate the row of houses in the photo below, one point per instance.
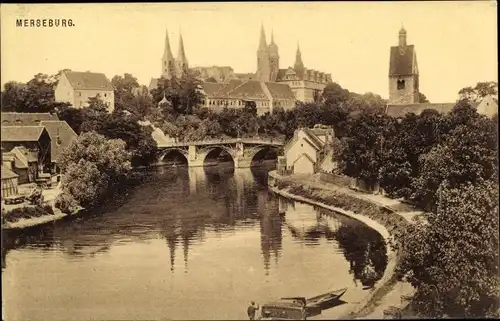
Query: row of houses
31,146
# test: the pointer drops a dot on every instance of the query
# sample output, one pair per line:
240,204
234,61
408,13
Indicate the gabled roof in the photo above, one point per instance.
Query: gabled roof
250,89
280,91
8,174
316,141
25,119
61,135
417,109
22,133
401,64
303,155
88,80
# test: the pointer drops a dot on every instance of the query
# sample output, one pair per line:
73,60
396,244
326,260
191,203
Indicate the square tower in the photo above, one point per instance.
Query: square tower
403,73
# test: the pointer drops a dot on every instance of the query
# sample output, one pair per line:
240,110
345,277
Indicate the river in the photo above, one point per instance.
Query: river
186,244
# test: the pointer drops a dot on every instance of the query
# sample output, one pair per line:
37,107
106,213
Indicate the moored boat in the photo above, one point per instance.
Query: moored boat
320,300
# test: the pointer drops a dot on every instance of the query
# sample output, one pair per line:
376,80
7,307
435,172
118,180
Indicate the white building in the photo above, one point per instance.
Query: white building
309,150
77,87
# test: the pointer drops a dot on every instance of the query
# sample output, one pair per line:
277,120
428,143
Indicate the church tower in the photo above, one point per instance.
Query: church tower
263,66
274,59
181,62
403,73
167,61
299,65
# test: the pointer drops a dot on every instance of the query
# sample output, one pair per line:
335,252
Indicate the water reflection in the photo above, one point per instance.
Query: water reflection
227,227
362,247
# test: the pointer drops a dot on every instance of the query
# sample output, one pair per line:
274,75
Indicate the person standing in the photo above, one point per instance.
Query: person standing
251,310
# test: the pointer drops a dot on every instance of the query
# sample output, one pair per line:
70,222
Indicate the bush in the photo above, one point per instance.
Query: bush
27,213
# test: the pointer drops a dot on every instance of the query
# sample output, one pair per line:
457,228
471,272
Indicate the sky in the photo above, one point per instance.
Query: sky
455,42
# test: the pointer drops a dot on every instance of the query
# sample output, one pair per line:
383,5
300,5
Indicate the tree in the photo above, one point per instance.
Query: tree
334,94
362,146
422,99
130,96
184,94
453,260
36,96
13,96
413,136
250,107
481,90
91,165
367,102
73,116
468,154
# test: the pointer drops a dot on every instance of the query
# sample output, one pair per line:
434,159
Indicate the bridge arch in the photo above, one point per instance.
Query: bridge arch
215,153
264,152
174,154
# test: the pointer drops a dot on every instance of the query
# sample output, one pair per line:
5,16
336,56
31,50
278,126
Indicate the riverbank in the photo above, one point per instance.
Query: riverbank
378,212
41,216
45,217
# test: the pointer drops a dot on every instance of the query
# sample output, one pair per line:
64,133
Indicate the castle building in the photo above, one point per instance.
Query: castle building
237,92
304,84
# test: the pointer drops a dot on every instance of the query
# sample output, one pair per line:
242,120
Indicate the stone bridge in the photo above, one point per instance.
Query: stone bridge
242,150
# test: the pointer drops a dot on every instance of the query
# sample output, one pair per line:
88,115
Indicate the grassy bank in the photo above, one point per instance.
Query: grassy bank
382,215
385,216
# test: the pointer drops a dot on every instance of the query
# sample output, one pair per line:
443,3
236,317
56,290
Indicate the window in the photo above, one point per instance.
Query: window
105,95
401,84
79,94
301,145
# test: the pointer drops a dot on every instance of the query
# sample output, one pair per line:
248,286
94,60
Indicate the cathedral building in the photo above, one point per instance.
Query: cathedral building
171,67
268,87
306,84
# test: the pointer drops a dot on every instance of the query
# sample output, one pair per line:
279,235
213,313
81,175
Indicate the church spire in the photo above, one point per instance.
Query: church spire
263,43
402,38
167,52
181,55
298,59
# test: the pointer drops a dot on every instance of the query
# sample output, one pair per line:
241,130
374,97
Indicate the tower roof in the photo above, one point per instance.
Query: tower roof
298,59
273,48
181,56
402,63
167,52
263,43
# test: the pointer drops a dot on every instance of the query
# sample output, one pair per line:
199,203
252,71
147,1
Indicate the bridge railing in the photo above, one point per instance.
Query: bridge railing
250,140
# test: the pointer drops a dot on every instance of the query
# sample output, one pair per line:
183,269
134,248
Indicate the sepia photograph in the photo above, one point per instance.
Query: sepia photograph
249,160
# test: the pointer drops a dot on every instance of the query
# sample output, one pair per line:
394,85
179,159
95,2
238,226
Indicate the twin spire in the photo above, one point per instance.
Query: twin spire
181,54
